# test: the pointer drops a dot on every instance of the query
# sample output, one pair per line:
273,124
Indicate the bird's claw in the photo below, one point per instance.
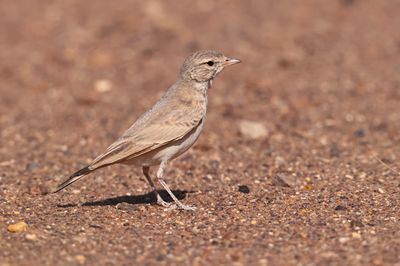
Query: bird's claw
163,203
180,206
171,206
187,207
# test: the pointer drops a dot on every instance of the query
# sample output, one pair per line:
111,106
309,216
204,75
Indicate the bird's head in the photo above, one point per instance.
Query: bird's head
203,66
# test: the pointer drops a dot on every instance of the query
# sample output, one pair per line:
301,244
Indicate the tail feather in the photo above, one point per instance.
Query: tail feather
73,178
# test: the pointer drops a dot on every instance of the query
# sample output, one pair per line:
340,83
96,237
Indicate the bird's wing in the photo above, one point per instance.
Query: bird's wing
156,128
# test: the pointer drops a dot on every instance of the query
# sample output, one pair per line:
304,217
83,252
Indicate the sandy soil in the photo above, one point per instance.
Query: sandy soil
320,80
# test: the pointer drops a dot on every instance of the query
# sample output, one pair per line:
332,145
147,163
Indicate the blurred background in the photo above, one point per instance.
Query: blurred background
308,124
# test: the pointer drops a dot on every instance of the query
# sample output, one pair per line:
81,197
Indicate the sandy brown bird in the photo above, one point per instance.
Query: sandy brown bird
169,128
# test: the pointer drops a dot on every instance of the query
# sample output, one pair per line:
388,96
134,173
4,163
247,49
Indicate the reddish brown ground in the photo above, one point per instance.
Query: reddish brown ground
322,76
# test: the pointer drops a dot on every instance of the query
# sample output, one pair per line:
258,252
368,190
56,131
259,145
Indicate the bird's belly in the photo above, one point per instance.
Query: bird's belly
169,151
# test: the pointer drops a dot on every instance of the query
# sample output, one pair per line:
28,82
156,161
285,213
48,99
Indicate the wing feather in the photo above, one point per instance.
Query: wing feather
158,127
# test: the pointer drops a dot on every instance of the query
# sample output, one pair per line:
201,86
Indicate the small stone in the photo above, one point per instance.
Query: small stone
96,226
303,212
343,240
356,235
80,238
63,148
308,187
31,237
213,166
324,140
160,257
282,180
362,175
180,223
340,208
377,260
253,222
359,133
125,206
7,163
381,190
356,224
38,190
32,166
253,130
208,177
244,189
102,85
17,227
334,150
80,258
303,234
279,161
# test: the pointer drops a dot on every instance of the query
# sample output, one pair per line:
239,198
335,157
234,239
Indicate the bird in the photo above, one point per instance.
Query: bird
168,129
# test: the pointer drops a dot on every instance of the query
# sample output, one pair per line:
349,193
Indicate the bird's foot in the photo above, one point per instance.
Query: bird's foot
170,207
163,203
180,206
187,207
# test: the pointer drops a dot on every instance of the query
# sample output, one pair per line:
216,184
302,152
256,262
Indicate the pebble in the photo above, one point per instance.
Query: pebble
213,166
7,163
102,85
282,180
17,227
279,161
32,166
334,150
359,133
80,258
252,130
63,148
38,190
31,237
340,208
244,189
125,206
308,187
381,190
356,224
179,222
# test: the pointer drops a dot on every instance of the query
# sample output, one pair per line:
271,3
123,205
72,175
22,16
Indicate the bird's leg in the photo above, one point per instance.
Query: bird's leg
160,200
160,177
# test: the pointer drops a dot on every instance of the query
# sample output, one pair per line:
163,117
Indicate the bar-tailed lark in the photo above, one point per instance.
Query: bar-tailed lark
169,128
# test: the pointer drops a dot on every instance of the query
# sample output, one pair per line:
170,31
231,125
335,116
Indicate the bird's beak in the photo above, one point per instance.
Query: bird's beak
231,61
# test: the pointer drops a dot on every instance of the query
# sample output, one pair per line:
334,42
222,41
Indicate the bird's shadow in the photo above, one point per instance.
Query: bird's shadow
148,198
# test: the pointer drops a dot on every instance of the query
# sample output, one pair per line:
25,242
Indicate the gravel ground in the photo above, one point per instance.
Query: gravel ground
297,164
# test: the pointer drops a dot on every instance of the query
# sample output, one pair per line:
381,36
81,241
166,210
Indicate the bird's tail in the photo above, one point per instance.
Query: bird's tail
74,177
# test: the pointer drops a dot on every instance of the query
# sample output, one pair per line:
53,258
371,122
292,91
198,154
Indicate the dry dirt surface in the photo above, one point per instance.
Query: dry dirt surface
297,164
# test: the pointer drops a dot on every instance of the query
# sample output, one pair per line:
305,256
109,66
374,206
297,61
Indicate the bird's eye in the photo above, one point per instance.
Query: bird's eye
210,63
